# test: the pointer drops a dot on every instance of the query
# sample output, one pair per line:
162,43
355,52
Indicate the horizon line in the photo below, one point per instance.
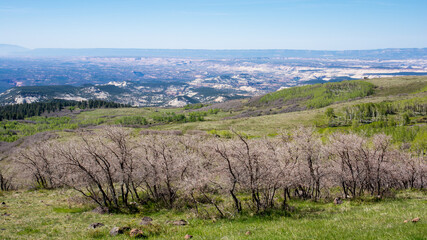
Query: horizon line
211,49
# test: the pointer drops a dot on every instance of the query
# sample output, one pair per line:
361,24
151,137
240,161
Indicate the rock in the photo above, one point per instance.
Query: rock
337,201
118,230
416,220
101,210
95,225
146,221
405,221
248,233
115,231
180,222
187,236
136,233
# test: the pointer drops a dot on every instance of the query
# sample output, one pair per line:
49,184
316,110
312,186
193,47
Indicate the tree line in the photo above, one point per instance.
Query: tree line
216,176
25,110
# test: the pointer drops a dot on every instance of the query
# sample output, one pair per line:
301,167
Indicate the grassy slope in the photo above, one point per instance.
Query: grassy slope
46,214
321,95
392,89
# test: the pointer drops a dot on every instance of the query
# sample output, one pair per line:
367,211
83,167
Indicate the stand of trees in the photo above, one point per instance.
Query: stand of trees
387,113
21,111
225,176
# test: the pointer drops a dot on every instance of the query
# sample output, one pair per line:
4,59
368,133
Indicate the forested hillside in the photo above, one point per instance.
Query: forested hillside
26,110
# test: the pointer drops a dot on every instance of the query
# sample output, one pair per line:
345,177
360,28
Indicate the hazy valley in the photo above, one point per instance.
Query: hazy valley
174,78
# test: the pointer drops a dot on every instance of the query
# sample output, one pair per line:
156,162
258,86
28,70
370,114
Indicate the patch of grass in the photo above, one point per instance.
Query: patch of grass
28,230
255,126
96,234
70,210
33,217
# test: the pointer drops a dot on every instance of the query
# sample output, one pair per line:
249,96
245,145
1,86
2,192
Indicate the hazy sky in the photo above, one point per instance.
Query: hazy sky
214,24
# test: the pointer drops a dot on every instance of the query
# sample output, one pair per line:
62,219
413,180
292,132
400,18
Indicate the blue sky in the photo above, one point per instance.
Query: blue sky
215,24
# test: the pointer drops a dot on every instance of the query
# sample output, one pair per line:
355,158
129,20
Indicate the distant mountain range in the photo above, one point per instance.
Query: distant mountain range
390,53
7,49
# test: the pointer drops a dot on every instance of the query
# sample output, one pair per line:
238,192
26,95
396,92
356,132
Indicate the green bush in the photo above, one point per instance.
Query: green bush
132,120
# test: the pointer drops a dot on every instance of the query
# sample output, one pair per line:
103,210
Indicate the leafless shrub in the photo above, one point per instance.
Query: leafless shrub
5,181
100,166
38,162
114,169
165,163
361,166
310,160
352,163
253,166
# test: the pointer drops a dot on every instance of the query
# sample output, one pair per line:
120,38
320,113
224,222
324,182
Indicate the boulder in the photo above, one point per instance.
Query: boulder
180,222
337,201
136,233
146,221
95,225
118,230
115,231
